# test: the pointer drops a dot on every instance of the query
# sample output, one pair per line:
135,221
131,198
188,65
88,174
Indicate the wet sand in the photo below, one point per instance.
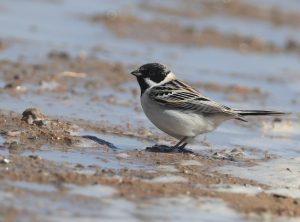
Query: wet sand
74,142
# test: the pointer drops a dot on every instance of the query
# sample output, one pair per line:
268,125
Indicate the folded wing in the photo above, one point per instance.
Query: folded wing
177,95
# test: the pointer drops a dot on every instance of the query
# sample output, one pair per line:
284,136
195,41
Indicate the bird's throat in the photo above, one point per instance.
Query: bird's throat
143,84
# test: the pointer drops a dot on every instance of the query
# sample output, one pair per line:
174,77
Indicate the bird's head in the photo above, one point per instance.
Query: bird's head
152,74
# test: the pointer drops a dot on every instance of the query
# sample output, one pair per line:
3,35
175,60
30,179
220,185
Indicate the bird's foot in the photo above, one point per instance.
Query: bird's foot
160,149
167,149
183,150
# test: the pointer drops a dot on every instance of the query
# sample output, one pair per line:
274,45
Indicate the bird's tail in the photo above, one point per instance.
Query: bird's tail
258,112
242,113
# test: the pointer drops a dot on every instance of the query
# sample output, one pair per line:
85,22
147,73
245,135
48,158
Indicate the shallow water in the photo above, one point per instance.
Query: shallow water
279,173
105,160
101,204
89,153
286,5
34,186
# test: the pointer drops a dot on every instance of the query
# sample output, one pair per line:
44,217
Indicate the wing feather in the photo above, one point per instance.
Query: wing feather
178,95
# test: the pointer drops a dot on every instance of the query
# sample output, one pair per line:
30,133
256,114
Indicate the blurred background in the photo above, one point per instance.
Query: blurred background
72,59
244,47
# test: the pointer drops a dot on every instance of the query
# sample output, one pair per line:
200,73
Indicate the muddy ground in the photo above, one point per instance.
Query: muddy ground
76,146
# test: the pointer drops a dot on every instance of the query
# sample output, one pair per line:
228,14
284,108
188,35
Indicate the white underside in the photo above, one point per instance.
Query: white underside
176,123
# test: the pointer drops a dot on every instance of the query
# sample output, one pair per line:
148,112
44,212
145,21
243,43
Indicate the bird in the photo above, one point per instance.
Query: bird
178,109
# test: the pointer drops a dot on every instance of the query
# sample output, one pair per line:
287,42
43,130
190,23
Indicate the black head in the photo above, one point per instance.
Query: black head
151,74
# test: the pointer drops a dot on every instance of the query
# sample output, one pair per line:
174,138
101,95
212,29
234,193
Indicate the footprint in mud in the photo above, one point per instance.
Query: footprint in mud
167,149
236,154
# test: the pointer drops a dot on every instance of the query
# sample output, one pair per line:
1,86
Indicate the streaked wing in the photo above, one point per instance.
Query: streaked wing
177,95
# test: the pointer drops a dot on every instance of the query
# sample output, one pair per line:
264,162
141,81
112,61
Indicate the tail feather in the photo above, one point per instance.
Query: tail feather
258,112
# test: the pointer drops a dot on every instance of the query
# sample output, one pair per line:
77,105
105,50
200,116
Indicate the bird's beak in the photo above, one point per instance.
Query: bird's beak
136,73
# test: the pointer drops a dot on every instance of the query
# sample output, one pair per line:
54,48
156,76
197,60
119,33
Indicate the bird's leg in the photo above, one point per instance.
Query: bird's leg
182,146
180,143
183,150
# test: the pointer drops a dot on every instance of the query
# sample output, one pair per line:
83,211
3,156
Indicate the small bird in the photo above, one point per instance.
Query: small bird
178,109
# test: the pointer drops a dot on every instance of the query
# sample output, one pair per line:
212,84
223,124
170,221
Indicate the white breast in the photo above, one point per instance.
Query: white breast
174,122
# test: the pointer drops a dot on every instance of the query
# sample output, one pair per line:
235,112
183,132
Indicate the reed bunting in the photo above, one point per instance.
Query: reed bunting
178,109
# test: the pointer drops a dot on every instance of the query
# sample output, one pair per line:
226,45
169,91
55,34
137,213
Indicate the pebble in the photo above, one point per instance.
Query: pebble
33,116
4,160
35,157
13,133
